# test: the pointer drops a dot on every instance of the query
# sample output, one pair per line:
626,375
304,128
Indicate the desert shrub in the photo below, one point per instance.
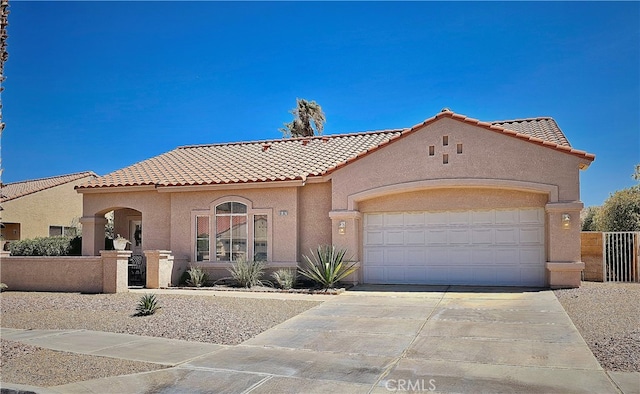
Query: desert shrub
247,273
147,305
620,212
197,277
3,287
326,267
47,246
285,278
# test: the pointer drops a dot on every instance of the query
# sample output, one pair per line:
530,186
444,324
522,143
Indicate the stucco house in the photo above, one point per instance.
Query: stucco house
451,200
41,207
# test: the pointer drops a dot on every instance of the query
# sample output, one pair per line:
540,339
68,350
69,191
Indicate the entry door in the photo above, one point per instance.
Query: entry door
488,247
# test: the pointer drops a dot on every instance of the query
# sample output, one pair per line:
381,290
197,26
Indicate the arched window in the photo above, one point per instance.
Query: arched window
231,229
240,233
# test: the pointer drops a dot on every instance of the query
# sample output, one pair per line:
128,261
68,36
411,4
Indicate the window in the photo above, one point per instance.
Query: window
260,237
56,231
202,238
231,231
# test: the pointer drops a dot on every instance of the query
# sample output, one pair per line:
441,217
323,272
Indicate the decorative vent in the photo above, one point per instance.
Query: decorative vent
459,148
432,150
445,140
445,159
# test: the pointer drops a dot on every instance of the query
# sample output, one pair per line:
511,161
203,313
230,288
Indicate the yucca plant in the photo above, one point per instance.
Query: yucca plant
326,267
197,277
285,278
247,273
148,305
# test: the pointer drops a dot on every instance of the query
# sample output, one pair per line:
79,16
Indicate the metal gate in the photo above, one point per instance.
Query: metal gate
620,261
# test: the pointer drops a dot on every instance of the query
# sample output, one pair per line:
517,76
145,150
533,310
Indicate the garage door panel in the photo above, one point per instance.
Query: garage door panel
491,247
482,235
416,275
507,236
483,256
506,217
394,219
436,219
414,219
374,257
394,237
394,256
506,256
415,237
459,236
531,235
482,217
374,237
373,220
459,218
416,256
531,216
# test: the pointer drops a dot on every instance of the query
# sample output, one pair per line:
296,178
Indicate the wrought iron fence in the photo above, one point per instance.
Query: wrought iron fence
620,252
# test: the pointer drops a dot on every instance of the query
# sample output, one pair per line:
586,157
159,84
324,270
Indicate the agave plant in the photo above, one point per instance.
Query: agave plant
285,278
197,277
247,273
326,267
148,305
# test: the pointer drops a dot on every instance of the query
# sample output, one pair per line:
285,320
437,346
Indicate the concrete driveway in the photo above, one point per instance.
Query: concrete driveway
381,339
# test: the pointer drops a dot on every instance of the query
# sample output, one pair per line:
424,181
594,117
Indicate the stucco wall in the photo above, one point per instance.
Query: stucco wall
68,274
284,227
314,223
453,199
57,206
591,252
155,208
486,154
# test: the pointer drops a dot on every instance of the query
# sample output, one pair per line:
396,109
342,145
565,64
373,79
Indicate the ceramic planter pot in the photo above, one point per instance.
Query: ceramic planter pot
120,243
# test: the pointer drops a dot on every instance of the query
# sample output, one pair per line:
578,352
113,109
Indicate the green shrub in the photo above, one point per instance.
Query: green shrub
196,278
148,305
47,246
285,278
247,273
326,267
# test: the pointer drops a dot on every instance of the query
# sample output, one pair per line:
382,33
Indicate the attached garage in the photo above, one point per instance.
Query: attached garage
473,247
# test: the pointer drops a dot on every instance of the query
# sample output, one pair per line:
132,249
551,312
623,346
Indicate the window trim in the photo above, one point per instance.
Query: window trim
251,213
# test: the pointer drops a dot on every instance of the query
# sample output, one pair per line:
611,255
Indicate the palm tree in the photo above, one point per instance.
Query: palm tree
308,120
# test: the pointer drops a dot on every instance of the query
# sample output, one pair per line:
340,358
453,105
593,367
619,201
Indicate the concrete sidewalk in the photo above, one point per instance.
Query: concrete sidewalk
378,339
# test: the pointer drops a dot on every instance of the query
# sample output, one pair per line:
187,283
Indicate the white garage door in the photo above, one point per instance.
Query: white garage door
491,247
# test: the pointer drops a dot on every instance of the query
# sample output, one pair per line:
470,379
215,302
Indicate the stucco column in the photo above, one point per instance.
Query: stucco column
345,234
564,265
159,268
115,270
92,234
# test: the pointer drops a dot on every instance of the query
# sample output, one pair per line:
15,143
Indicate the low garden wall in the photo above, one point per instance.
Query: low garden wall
68,274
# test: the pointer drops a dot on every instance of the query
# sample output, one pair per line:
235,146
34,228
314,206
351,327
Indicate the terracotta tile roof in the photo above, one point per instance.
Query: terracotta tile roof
298,158
544,128
11,191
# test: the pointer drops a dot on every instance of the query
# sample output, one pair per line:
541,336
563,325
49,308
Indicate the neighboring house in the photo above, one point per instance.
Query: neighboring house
41,207
451,200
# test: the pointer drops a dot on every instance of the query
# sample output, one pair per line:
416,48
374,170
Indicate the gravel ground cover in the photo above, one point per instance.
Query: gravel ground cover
221,320
31,365
608,318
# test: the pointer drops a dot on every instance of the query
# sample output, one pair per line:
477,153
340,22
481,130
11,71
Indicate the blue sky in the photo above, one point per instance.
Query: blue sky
102,85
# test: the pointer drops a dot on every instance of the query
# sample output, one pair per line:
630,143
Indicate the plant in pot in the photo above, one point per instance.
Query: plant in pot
120,243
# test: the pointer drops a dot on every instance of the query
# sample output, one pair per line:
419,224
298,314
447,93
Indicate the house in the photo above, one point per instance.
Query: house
41,207
451,200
